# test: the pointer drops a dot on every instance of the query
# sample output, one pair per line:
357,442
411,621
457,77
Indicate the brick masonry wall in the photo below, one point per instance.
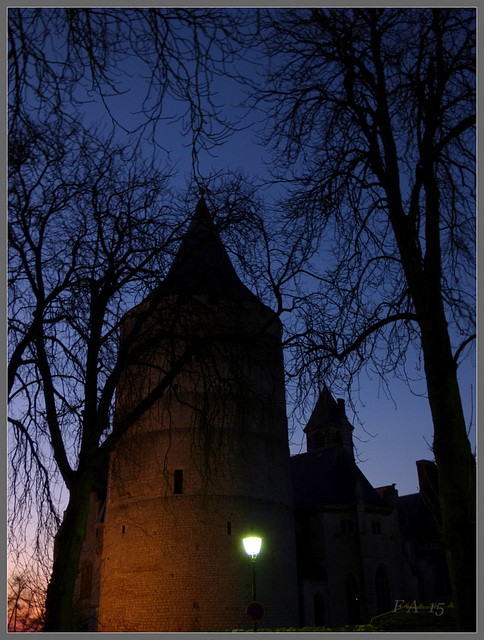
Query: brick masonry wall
170,564
175,562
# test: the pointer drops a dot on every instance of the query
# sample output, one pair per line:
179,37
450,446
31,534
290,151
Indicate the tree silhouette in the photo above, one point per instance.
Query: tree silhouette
92,228
88,231
26,587
66,61
372,114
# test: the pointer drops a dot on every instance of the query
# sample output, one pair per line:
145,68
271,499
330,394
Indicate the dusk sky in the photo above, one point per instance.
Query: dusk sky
393,434
390,435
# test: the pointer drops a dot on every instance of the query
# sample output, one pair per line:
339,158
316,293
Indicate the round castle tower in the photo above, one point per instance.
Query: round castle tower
207,463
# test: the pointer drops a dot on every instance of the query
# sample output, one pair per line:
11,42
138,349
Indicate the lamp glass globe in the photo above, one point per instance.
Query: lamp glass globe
252,546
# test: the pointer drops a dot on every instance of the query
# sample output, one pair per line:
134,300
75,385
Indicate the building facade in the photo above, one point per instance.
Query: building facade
208,463
350,556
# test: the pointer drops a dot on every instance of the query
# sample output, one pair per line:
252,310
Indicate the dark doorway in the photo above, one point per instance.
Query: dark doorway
383,596
353,600
319,617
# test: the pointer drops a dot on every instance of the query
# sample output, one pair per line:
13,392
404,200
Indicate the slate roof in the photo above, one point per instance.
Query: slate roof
325,412
202,265
329,477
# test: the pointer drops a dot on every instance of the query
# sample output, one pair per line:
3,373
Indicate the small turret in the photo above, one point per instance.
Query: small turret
328,425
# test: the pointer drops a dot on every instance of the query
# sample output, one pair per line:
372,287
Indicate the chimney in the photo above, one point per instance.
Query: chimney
389,494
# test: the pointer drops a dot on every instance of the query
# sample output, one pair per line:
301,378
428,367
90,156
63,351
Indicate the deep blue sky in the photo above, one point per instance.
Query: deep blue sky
390,435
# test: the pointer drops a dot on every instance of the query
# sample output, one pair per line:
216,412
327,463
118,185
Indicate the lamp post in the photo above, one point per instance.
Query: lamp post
252,547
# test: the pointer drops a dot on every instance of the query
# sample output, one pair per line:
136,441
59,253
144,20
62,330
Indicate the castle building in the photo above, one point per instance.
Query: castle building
208,463
350,557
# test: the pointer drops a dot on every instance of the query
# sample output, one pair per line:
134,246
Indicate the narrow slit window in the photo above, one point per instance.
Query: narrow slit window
376,526
229,528
178,481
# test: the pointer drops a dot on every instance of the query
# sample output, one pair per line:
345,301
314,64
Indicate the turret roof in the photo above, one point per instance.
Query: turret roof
326,411
202,265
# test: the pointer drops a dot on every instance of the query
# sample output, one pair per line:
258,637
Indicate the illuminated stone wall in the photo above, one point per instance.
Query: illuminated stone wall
175,561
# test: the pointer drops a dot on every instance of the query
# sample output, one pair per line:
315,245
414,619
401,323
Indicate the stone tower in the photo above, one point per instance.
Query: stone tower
207,463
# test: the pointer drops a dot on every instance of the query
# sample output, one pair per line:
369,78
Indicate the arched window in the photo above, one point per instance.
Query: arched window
318,610
353,600
383,595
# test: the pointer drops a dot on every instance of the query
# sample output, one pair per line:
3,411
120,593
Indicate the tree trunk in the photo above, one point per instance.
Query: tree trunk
451,446
456,469
67,551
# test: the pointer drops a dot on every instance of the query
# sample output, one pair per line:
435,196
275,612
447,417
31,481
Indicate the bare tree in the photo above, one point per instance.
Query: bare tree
92,228
89,231
160,61
372,113
23,610
26,589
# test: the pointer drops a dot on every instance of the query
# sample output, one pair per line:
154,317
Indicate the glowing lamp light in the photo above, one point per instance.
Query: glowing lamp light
252,546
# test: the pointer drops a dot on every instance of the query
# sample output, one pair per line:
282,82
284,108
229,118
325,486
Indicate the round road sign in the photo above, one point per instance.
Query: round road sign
255,611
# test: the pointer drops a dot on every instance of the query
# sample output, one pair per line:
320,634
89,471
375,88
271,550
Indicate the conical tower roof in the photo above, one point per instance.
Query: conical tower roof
328,424
202,265
326,411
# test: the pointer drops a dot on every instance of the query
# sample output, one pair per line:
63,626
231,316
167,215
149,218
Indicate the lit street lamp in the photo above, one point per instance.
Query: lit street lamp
252,548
